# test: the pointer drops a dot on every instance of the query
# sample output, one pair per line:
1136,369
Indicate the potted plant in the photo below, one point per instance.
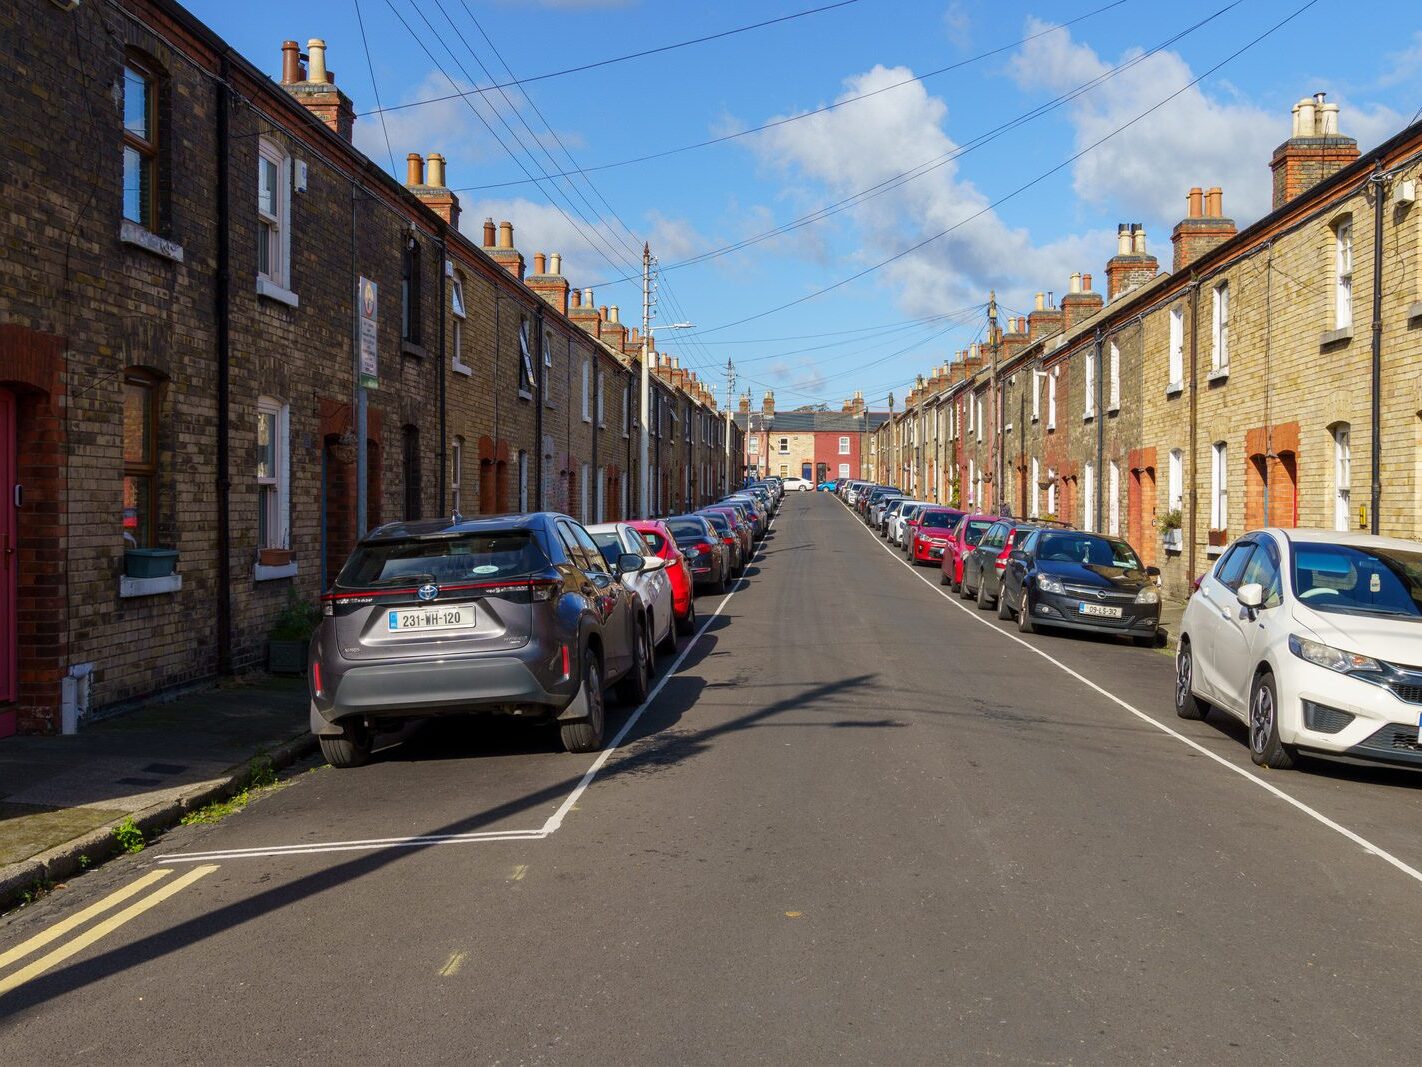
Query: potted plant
149,562
1170,525
291,634
273,557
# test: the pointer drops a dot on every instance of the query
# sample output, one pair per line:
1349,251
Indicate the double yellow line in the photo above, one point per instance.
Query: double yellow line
98,930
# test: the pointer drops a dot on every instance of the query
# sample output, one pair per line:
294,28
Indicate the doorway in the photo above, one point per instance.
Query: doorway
805,471
9,558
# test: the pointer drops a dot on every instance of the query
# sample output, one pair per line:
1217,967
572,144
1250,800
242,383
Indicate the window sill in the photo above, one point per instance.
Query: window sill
1114,409
271,574
1414,311
1088,416
131,233
272,291
1211,551
524,394
1174,388
1335,337
587,419
461,368
409,348
137,587
1219,375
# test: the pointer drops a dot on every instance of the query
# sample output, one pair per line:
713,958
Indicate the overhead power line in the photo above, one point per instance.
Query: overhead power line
1023,187
817,111
615,59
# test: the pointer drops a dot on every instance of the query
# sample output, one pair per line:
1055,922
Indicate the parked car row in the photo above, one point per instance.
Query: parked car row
530,615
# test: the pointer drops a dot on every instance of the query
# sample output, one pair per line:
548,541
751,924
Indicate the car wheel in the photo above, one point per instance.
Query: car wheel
351,749
964,590
1187,704
1004,607
585,735
984,601
637,683
1265,746
667,647
1024,615
687,626
944,578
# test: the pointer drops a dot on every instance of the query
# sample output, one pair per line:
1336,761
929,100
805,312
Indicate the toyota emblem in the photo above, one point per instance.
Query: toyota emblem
428,591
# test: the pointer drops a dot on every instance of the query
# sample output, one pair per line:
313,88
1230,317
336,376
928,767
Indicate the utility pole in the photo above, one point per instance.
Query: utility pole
644,439
998,407
730,396
890,470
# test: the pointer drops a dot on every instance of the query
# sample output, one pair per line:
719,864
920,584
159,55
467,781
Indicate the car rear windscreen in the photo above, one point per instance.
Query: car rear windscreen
975,530
686,529
656,540
446,560
722,524
609,544
940,520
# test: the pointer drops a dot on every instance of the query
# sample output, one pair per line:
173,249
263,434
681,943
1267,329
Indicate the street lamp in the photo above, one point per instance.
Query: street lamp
649,347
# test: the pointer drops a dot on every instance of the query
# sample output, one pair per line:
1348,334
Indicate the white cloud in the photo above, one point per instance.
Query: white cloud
1404,65
1146,170
957,23
843,151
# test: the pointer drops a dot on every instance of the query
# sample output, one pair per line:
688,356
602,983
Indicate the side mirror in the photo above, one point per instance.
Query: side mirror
1154,572
1251,595
1018,555
630,563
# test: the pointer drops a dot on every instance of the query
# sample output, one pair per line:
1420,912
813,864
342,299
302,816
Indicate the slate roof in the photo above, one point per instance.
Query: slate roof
811,422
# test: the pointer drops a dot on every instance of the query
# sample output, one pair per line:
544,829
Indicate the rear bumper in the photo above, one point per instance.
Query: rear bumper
421,688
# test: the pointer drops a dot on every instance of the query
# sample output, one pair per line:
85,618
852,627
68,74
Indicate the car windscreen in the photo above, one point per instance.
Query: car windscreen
974,530
686,529
1357,579
1087,550
456,558
609,544
940,520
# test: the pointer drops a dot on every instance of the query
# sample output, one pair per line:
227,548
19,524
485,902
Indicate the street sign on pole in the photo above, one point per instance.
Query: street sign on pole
369,336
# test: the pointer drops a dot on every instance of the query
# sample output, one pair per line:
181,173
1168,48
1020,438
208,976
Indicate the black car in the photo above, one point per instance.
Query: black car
1081,581
511,614
730,538
699,542
983,566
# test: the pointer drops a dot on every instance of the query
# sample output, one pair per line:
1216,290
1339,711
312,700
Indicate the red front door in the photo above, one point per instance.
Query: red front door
9,558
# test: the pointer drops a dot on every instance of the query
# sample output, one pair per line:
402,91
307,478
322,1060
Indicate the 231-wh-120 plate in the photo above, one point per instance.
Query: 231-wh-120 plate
425,620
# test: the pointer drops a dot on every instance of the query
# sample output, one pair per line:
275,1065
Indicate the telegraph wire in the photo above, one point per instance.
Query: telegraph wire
928,166
616,59
375,88
819,110
1026,185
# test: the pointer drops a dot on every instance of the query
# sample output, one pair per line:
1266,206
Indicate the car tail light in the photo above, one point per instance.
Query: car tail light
316,686
728,540
566,667
1000,562
701,547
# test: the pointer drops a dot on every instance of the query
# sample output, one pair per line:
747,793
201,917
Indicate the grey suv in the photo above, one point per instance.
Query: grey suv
513,614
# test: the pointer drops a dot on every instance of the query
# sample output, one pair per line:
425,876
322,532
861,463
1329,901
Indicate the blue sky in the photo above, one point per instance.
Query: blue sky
877,332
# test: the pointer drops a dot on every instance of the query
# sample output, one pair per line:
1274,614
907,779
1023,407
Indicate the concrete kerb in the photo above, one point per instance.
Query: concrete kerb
98,845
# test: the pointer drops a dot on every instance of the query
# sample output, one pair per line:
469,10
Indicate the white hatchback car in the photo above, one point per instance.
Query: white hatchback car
801,485
1313,639
651,584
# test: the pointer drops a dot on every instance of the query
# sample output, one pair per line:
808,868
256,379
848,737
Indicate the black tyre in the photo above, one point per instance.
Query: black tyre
1004,607
1187,704
585,735
944,578
351,749
984,601
1265,746
687,626
667,646
964,590
637,683
1025,624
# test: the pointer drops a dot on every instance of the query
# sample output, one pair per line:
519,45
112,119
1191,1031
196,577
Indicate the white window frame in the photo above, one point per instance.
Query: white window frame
584,492
600,495
1037,395
1342,477
979,419
1114,401
1219,330
456,470
1219,486
1036,496
277,503
274,226
844,470
1343,274
457,311
1113,499
626,409
1052,399
844,446
527,381
753,448
784,446
972,481
1088,497
587,389
1089,403
1175,484
1052,491
522,481
1176,368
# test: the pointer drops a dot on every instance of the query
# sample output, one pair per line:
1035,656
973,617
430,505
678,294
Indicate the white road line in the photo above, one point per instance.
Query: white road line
550,826
1312,813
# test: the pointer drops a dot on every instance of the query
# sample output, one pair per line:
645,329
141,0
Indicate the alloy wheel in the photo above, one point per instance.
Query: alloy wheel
1184,669
1261,718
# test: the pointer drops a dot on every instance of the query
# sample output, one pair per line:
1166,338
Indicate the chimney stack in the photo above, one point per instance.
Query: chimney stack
550,285
767,405
555,263
1130,267
504,253
1080,303
1204,229
488,233
414,169
1044,320
540,263
428,184
317,92
1315,150
744,405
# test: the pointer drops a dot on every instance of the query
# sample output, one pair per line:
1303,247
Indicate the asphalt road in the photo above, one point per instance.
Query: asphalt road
860,824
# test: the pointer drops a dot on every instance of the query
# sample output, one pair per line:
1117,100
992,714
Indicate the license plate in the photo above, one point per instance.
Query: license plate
936,553
445,617
1101,611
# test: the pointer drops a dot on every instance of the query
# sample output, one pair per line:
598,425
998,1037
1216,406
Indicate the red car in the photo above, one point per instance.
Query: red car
964,538
928,534
664,546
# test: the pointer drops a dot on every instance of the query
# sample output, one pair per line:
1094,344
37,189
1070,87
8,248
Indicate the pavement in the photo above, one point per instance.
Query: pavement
859,821
61,796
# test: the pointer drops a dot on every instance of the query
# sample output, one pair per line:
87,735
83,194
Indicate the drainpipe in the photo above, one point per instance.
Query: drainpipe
1194,428
443,370
1376,448
599,489
222,298
1101,483
539,377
